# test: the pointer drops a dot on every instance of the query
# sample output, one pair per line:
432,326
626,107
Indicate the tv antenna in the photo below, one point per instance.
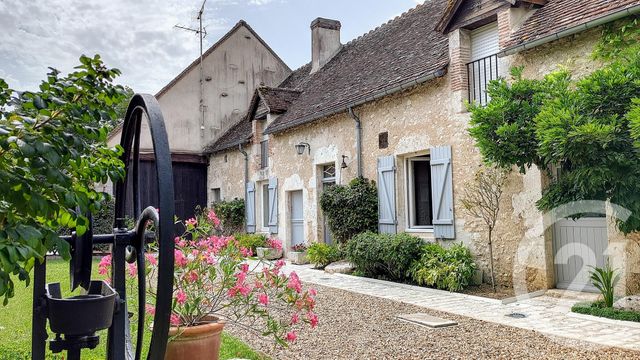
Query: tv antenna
202,33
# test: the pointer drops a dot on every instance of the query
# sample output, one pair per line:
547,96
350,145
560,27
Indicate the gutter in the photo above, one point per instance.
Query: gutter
246,163
358,140
380,94
572,30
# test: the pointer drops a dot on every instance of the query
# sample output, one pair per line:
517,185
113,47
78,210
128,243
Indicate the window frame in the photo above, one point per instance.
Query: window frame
409,183
264,206
216,194
264,154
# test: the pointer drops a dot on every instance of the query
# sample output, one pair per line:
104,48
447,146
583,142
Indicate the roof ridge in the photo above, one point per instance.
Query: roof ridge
386,23
278,88
210,49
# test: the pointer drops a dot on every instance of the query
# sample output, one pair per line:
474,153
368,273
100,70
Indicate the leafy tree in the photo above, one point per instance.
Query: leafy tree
52,152
591,127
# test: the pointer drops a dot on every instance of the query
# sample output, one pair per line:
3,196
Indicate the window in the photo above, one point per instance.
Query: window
215,195
484,62
265,206
419,201
264,154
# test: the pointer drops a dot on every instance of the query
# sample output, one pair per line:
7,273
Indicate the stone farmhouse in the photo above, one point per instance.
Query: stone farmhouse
197,113
390,106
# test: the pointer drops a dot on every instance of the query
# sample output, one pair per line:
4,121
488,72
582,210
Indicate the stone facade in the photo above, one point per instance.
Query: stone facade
428,115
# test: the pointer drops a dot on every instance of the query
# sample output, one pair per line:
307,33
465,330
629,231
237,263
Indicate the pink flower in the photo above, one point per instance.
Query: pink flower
180,259
258,284
244,268
211,260
213,218
294,282
280,263
151,259
192,276
181,297
291,336
132,269
246,252
103,270
274,243
150,309
263,299
174,320
177,239
294,319
313,292
192,222
313,319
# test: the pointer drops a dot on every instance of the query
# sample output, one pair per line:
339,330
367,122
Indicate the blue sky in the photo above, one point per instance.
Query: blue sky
138,36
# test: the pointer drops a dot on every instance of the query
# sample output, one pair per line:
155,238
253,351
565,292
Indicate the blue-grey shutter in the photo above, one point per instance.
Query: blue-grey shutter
273,205
250,207
387,195
442,193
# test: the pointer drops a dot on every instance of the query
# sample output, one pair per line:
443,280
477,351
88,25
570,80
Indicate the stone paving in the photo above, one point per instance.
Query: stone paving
545,314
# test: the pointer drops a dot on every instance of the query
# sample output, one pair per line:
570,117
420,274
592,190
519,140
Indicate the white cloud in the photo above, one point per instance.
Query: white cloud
138,37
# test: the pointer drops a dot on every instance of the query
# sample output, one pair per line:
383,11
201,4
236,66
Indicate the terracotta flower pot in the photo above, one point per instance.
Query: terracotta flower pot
198,342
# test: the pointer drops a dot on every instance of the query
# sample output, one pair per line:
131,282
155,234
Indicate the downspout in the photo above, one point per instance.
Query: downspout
358,139
572,30
246,164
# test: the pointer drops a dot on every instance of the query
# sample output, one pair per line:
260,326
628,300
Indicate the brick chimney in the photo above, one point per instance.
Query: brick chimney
325,42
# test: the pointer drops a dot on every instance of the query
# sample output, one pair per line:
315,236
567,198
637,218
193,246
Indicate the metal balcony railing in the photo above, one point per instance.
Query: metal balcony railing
479,73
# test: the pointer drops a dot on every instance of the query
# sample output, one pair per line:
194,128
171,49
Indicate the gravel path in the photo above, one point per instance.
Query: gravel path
354,326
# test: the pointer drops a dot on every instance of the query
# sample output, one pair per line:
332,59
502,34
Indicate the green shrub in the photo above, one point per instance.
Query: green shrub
251,241
231,215
351,209
385,256
599,308
605,279
449,269
321,254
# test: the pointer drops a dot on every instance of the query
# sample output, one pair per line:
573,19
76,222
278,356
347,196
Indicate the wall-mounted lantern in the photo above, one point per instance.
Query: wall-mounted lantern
301,146
344,163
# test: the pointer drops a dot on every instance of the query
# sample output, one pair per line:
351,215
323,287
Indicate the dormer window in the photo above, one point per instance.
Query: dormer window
484,62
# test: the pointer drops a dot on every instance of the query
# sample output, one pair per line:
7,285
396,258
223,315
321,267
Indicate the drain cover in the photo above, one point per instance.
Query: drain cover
516,315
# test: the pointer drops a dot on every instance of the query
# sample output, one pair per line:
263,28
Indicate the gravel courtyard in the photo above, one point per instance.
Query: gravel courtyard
354,326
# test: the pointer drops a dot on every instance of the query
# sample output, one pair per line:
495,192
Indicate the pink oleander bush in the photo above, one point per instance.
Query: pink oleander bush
213,278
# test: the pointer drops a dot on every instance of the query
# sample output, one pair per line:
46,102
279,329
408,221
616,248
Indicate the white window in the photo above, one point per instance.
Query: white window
419,199
264,197
484,62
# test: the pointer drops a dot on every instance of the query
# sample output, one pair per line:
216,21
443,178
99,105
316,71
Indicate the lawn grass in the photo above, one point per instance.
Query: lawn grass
597,308
15,323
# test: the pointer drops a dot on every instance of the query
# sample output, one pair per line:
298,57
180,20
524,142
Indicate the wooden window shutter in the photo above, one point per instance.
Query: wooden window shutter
250,207
273,205
387,195
442,193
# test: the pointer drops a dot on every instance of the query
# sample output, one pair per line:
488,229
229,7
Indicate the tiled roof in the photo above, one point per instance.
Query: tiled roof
404,49
238,134
559,15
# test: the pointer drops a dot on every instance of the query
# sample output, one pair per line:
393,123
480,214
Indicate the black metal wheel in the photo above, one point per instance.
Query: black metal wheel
120,345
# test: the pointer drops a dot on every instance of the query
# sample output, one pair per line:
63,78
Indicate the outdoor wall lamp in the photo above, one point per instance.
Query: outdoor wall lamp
300,148
344,163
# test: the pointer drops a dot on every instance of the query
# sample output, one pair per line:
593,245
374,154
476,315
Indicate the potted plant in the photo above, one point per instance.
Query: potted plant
272,251
298,254
214,284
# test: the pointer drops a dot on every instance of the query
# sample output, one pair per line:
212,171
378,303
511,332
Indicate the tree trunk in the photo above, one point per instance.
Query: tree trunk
493,278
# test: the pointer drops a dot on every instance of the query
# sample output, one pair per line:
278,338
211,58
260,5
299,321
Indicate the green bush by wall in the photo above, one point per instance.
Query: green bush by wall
384,256
231,215
444,268
351,209
321,254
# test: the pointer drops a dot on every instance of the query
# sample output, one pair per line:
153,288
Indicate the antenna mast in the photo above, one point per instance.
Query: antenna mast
202,33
